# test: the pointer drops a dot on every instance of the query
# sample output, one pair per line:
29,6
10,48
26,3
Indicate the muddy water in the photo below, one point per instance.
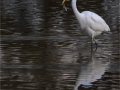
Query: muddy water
43,47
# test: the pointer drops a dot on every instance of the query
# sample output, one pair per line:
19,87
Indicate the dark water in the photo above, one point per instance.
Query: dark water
43,48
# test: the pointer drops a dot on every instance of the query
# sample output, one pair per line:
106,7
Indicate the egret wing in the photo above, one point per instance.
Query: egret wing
95,22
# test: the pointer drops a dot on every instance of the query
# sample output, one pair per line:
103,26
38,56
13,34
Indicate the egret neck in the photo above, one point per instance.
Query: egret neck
75,10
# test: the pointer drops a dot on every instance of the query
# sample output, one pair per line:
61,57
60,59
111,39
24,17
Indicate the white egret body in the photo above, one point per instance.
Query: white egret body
91,23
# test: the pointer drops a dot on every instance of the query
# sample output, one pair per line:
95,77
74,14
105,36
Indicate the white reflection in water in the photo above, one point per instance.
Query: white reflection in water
90,72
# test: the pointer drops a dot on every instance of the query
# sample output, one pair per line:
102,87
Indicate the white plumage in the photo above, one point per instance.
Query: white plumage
91,23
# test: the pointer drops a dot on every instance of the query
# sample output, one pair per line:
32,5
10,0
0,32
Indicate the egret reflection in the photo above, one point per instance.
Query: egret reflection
90,72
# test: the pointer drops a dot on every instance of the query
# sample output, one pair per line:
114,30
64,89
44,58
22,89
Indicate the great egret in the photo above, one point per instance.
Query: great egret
91,23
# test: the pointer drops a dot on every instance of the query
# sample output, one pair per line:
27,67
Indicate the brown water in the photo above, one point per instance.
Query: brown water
43,47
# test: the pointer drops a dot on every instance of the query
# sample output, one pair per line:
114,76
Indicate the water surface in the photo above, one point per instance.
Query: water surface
43,47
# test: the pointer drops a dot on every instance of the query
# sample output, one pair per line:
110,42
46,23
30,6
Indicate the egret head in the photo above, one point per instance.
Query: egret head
64,8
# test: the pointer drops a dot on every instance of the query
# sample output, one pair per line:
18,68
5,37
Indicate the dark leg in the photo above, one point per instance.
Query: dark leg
93,53
91,45
95,41
91,42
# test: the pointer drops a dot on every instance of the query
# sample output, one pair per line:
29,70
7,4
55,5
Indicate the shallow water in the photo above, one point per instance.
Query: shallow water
43,47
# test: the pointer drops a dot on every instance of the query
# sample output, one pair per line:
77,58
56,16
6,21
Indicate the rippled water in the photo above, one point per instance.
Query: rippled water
43,47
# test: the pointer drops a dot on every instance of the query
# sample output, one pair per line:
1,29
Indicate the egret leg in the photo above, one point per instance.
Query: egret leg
95,41
91,45
91,42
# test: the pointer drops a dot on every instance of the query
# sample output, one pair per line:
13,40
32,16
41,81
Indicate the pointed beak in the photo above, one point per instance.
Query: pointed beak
63,2
64,8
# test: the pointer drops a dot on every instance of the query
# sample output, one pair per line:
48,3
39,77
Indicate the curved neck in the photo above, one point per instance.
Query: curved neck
76,12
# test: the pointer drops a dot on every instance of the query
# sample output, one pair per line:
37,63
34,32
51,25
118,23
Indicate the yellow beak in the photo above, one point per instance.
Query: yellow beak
63,2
